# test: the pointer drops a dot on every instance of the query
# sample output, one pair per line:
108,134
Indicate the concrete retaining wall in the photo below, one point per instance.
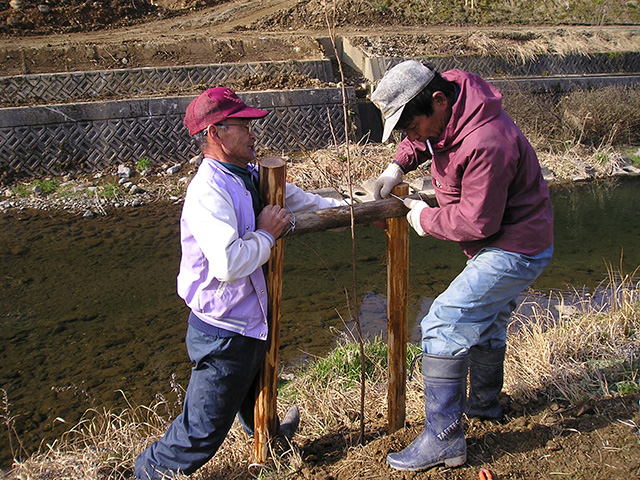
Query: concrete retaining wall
57,139
373,68
104,84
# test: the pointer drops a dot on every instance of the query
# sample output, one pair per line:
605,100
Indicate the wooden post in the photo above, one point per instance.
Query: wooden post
397,308
272,171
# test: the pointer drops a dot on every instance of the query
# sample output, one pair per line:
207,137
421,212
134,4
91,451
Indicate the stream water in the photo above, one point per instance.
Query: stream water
89,312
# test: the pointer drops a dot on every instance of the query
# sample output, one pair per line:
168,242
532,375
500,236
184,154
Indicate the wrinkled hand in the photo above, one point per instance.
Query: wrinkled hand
413,217
391,177
273,219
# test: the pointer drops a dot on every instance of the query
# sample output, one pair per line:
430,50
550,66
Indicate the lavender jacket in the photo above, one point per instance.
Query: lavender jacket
220,276
486,176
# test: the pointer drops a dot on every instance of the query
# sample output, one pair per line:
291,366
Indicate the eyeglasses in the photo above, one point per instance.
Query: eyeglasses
247,126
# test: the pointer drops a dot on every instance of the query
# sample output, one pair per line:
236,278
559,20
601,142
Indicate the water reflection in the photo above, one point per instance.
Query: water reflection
89,309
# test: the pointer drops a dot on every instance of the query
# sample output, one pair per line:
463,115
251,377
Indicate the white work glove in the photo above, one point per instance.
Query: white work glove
413,217
391,177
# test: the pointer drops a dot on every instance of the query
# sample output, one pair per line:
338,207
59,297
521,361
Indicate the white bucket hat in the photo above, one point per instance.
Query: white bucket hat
397,88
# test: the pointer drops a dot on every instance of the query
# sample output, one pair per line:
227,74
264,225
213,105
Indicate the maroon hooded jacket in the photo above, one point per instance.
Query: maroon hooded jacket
486,176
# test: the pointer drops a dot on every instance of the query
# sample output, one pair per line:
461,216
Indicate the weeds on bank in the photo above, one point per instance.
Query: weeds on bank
587,351
484,12
44,187
143,164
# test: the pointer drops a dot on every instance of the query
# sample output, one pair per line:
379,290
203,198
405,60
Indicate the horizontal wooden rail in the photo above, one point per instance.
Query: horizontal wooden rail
337,217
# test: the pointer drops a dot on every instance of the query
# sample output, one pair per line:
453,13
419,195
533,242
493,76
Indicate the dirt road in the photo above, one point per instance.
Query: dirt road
96,35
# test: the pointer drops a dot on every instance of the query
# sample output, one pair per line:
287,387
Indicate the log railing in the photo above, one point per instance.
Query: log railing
272,190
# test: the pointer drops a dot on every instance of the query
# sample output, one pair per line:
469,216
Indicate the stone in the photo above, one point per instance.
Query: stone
173,170
197,160
124,171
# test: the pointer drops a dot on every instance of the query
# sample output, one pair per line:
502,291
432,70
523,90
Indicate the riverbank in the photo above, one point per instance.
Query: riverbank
570,401
579,136
133,185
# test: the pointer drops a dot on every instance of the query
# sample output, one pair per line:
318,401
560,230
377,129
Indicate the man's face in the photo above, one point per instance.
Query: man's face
423,127
237,141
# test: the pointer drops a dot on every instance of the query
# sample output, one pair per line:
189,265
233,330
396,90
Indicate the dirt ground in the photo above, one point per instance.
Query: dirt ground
76,35
598,440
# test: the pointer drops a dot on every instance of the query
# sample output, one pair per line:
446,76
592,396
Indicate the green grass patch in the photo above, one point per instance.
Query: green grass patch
343,362
46,187
143,164
633,154
110,190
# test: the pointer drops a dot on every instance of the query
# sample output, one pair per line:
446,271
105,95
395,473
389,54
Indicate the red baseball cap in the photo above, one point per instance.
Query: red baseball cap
216,105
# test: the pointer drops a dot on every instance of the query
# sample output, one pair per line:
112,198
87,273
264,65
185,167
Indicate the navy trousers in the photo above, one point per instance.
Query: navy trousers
222,384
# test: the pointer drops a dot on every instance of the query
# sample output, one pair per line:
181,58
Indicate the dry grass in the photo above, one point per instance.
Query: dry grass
327,168
520,48
580,162
516,45
610,115
589,118
587,350
102,445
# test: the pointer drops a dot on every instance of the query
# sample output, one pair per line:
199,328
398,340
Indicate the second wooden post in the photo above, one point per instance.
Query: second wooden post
272,192
397,307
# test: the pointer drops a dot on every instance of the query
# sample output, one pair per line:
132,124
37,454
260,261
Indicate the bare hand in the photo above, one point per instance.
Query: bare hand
273,219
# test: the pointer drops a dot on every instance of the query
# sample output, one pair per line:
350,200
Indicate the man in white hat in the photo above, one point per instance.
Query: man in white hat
493,201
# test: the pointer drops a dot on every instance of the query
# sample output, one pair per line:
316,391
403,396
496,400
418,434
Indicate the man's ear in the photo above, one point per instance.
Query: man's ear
212,133
440,99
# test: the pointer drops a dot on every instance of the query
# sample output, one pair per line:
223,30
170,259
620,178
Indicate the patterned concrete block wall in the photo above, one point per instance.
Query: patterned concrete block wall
626,64
541,65
57,139
105,84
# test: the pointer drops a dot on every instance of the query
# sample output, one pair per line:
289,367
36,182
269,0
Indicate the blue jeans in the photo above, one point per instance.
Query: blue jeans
475,308
222,384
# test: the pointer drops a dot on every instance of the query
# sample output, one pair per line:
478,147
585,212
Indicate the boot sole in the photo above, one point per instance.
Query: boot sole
448,462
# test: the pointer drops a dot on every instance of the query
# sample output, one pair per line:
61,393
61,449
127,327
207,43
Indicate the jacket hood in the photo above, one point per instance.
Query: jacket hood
483,103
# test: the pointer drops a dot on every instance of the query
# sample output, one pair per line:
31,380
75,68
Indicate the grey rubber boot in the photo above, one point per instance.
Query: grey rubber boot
289,423
486,375
445,382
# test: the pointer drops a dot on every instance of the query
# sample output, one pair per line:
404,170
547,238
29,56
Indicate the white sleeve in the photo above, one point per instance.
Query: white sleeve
298,200
210,217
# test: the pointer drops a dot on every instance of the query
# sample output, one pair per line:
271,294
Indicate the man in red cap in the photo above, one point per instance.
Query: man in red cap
226,237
